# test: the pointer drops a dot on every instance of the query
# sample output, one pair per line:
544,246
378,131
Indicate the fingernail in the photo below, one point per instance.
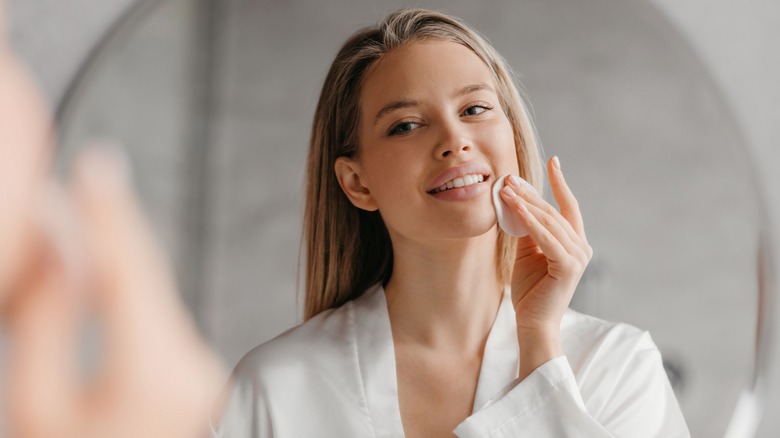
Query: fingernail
557,162
508,192
521,206
514,180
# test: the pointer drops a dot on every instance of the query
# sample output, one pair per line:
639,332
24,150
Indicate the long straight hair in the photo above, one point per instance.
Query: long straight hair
348,249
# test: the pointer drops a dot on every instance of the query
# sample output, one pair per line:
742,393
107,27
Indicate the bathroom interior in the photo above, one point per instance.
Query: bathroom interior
660,111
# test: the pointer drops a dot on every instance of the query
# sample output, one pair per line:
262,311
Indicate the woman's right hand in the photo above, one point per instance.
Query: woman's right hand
82,247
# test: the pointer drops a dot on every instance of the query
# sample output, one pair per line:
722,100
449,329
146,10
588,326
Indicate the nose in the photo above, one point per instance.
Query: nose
453,140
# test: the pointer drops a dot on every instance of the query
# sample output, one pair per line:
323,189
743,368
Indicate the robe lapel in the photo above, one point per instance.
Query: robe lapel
376,359
500,360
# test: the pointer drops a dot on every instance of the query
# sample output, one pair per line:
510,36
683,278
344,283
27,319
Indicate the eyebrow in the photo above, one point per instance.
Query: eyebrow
407,103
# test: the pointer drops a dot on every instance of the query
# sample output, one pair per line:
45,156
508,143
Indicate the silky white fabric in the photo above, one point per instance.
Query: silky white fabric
334,376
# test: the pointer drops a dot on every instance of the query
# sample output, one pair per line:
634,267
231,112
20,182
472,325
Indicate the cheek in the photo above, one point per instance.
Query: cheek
383,176
390,176
502,143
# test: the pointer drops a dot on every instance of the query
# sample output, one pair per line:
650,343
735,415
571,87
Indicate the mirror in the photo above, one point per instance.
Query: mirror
213,101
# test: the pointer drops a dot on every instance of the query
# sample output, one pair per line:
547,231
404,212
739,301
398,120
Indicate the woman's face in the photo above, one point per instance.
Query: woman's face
430,115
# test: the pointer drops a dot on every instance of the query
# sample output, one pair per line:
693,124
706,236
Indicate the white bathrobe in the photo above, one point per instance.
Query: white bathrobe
334,376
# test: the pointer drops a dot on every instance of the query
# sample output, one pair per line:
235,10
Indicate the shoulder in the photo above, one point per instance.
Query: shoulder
586,335
300,370
317,340
308,358
605,356
620,374
597,348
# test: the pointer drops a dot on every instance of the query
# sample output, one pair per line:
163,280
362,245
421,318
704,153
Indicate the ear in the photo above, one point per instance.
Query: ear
349,173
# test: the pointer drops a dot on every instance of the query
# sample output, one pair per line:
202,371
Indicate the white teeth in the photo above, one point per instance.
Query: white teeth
461,182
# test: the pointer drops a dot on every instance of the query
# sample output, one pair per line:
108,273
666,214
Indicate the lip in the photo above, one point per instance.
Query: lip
468,168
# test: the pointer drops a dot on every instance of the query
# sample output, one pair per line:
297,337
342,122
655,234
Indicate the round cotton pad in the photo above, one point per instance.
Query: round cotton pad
508,220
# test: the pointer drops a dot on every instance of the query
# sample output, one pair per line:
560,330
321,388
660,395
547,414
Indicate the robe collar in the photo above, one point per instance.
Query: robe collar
373,339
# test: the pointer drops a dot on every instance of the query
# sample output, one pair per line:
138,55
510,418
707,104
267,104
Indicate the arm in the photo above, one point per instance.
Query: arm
545,400
625,393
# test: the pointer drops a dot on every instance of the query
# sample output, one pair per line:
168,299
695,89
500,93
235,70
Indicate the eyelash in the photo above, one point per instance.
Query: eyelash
393,130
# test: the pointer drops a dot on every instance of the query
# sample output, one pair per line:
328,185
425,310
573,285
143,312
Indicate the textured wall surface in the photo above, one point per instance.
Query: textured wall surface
733,42
54,36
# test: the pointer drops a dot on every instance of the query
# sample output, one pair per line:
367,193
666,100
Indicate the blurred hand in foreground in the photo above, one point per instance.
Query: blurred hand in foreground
82,250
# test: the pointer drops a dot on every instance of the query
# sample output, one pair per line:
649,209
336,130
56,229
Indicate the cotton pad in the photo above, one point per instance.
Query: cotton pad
508,219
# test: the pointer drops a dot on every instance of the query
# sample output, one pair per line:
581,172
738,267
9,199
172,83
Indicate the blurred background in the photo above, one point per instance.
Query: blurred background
664,114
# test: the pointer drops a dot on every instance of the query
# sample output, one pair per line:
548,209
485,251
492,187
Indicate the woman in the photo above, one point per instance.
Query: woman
423,317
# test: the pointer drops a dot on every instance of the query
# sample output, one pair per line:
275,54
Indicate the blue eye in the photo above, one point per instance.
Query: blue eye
481,108
401,128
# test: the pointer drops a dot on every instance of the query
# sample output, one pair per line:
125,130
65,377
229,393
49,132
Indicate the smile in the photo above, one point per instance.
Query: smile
460,182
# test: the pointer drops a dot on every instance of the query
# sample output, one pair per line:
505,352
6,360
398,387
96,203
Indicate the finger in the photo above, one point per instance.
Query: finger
555,228
42,327
570,208
555,225
527,247
533,198
151,339
134,287
547,242
25,131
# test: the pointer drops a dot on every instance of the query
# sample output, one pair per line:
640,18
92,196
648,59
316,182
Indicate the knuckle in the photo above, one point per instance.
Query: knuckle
571,267
578,264
546,238
546,221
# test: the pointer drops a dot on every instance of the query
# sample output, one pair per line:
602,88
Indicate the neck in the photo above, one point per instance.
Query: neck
444,294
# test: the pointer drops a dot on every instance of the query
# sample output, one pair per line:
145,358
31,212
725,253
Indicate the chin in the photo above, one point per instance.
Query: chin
469,227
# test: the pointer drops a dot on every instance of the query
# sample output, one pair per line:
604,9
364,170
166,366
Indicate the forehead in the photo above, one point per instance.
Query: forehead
422,70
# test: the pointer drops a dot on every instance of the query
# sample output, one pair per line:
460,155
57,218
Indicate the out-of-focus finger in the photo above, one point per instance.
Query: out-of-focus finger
42,325
25,133
134,287
151,338
570,208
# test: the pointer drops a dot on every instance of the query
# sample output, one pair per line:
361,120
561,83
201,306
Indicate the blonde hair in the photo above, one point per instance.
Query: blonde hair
348,249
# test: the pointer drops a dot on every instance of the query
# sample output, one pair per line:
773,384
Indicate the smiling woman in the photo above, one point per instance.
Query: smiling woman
617,93
423,317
